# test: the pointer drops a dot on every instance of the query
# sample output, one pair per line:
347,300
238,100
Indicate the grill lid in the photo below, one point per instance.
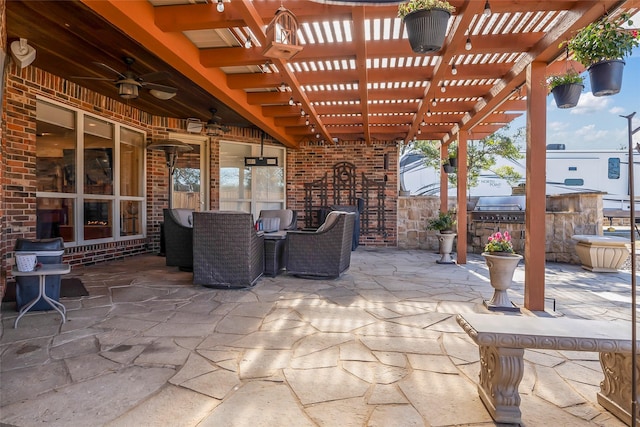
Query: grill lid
500,203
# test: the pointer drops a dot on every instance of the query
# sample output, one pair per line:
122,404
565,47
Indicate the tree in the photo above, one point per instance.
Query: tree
481,155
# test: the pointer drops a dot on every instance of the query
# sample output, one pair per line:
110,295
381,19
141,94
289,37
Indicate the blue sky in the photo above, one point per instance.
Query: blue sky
595,123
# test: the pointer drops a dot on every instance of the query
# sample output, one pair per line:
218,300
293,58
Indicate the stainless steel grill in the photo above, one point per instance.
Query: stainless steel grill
508,209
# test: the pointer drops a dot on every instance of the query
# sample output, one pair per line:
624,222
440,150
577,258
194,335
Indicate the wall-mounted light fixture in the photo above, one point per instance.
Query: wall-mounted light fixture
220,6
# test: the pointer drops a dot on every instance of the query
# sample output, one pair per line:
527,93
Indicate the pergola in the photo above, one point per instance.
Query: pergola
355,79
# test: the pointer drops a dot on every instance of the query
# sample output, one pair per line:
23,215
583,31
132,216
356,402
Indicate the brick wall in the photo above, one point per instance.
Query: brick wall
313,160
18,171
18,160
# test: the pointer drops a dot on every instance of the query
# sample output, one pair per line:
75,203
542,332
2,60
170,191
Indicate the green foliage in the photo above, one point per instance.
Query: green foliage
445,221
481,155
604,40
405,8
570,77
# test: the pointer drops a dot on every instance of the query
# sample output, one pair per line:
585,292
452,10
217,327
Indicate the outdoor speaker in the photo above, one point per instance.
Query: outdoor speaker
22,53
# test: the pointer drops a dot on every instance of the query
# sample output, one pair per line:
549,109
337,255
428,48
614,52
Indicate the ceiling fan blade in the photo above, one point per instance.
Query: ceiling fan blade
157,75
161,88
111,70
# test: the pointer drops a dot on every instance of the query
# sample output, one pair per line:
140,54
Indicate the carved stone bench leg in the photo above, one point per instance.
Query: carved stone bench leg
615,389
501,371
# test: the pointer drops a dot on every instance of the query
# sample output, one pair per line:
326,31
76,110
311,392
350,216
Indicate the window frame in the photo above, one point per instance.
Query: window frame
79,197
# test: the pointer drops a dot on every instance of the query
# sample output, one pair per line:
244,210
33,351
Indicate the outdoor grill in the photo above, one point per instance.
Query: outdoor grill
504,209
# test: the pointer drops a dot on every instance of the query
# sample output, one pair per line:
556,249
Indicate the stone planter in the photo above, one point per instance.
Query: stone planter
501,265
604,254
446,247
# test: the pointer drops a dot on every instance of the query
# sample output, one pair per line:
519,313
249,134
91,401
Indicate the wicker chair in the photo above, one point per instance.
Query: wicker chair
178,237
288,217
324,253
227,250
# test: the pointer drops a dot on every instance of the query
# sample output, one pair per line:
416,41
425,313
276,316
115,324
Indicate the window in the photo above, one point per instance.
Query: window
574,181
107,202
250,189
613,168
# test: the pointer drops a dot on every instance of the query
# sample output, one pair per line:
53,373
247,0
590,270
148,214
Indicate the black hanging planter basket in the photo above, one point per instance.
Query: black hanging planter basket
606,77
453,161
426,29
448,168
567,96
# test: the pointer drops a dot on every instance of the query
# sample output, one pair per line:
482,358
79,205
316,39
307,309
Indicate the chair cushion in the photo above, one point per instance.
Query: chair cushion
185,216
329,220
270,225
285,215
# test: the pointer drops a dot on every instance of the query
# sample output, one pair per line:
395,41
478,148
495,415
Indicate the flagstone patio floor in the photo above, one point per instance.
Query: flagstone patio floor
377,347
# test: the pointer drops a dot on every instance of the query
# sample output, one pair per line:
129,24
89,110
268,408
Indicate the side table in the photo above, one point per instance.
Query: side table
274,252
42,272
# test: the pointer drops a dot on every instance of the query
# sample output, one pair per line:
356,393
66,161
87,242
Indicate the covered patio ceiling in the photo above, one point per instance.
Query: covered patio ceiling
356,78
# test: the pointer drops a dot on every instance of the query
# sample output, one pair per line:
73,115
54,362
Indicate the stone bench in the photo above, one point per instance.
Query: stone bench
502,340
601,253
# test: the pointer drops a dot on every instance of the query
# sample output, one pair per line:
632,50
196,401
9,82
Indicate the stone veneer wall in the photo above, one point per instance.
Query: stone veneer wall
567,214
413,214
570,214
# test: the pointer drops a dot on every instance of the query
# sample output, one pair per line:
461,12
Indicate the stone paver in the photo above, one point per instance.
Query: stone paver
377,347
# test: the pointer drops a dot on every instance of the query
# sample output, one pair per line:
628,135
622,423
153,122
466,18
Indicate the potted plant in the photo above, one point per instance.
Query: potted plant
444,224
448,167
502,262
601,47
566,88
426,22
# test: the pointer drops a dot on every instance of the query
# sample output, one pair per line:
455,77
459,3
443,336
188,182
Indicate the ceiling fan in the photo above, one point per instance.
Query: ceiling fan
129,84
214,126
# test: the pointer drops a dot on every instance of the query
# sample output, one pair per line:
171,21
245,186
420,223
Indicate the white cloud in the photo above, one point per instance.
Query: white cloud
557,126
590,104
616,110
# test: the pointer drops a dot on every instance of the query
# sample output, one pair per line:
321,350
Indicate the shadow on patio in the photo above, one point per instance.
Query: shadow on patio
379,346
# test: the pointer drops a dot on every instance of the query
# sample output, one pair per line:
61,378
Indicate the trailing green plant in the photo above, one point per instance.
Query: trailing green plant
570,77
604,40
444,222
411,6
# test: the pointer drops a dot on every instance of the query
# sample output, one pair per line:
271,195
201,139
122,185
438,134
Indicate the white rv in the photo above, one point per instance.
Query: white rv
568,171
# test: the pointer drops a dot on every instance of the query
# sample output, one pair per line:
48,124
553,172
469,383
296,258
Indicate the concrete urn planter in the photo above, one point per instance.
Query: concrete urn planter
446,247
501,265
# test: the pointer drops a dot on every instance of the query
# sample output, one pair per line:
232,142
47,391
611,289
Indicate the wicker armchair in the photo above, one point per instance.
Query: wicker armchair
178,237
227,250
325,253
288,217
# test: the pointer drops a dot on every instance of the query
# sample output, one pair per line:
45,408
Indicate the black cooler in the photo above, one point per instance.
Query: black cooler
48,251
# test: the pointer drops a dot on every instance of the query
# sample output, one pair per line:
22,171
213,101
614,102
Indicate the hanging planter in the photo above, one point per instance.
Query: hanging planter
453,161
426,23
606,77
601,47
566,88
448,168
